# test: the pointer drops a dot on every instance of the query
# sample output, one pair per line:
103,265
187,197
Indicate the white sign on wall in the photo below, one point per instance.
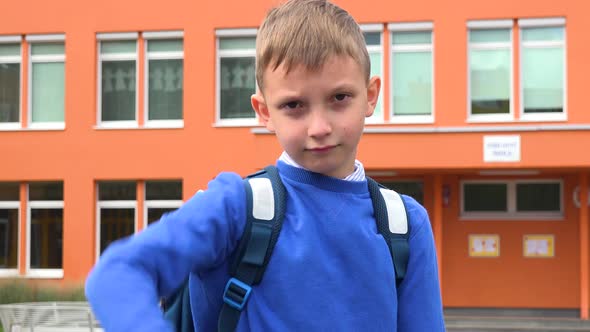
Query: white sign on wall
501,148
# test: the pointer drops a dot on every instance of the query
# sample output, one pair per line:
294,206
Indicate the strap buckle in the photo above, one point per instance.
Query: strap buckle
236,294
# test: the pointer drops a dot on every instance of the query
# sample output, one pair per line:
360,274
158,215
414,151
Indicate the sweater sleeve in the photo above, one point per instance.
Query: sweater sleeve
125,285
419,298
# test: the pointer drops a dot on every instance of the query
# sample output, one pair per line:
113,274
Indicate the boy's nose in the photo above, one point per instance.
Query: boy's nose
319,124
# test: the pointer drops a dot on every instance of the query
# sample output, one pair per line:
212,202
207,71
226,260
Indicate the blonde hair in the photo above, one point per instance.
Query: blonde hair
308,32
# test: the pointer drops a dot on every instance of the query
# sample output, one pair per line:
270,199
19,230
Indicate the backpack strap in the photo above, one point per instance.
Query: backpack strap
392,224
266,198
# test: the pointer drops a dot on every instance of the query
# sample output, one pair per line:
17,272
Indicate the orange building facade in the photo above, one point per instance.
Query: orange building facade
112,113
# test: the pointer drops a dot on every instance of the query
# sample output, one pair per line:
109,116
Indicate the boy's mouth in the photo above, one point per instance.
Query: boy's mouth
322,149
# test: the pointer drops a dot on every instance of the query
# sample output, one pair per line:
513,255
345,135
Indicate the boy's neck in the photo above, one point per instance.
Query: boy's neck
357,175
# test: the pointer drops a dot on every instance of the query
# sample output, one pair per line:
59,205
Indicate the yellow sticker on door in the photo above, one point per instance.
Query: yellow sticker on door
484,245
538,245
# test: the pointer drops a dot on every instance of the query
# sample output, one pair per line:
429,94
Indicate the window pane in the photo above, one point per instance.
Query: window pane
118,90
8,238
165,89
538,197
111,47
117,191
238,84
543,34
47,49
46,238
372,38
489,197
376,71
163,190
10,50
154,214
411,37
489,36
48,92
171,45
115,224
9,191
239,43
410,188
9,92
542,77
46,191
490,81
412,83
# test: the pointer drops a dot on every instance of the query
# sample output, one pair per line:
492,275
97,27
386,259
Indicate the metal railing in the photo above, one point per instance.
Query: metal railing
48,317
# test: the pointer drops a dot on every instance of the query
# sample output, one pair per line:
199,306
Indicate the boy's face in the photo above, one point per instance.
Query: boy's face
318,116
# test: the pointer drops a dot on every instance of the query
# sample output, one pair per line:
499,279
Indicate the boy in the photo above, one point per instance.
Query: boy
330,269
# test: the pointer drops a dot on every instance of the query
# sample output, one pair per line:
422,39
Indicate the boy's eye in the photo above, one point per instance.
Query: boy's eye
340,96
292,104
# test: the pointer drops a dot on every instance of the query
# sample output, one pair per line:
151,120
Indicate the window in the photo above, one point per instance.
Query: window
162,71
118,81
117,203
541,68
236,77
514,199
9,228
411,72
164,78
45,229
414,189
10,80
490,70
46,81
373,39
542,62
161,197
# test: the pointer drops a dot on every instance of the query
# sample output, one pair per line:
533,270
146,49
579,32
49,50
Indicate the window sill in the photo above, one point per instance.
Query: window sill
237,123
8,273
164,124
540,117
511,217
489,118
45,274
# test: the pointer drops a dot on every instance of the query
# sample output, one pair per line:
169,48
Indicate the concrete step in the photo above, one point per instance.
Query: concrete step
513,320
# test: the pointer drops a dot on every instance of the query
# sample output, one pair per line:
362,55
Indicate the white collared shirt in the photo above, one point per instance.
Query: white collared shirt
357,175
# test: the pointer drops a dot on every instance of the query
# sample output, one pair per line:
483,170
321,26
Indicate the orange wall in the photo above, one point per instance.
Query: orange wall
511,280
81,154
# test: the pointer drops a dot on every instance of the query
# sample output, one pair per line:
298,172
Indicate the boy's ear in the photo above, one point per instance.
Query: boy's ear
259,106
373,89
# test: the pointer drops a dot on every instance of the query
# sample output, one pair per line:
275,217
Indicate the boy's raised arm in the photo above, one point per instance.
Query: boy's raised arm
420,303
127,282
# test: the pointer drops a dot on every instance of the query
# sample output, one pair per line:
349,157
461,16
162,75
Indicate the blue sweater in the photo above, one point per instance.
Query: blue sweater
330,269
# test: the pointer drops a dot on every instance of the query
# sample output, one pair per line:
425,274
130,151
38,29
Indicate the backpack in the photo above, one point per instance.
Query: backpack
266,197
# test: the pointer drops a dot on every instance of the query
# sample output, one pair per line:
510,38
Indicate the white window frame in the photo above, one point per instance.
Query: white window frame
176,55
41,273
377,49
14,59
490,25
129,204
34,40
161,203
411,27
512,213
543,23
222,33
4,272
130,36
157,203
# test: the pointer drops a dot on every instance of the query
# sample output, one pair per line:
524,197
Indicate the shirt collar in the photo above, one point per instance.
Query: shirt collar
357,175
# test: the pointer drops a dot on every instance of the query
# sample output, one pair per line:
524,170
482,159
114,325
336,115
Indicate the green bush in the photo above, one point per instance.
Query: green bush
19,291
